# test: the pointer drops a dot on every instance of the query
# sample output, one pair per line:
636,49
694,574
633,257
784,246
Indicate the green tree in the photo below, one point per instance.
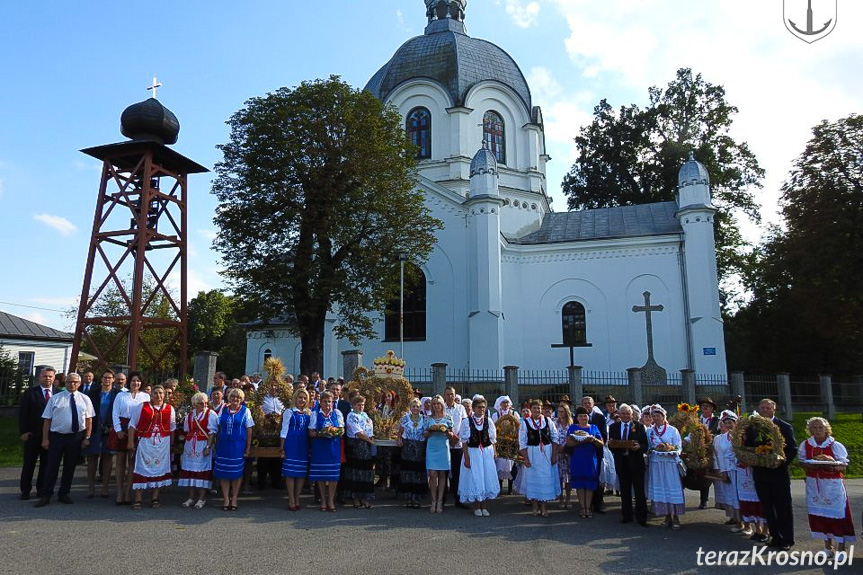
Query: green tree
317,195
806,313
215,324
633,156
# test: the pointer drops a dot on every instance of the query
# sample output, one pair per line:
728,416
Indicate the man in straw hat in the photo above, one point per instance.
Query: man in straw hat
708,407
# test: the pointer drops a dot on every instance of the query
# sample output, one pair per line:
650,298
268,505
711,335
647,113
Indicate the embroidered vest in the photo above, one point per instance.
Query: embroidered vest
537,436
478,437
198,430
812,452
148,423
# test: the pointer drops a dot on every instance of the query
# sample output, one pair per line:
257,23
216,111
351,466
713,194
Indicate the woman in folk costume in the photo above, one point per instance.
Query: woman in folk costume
503,406
118,436
196,464
216,401
751,510
582,439
564,420
326,427
725,466
825,460
413,483
359,480
153,425
665,488
478,475
537,442
233,443
294,445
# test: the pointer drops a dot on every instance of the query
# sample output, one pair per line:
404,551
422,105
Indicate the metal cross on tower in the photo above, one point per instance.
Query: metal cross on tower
154,85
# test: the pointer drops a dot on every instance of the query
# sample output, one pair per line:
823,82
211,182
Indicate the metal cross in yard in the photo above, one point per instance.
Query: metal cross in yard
647,309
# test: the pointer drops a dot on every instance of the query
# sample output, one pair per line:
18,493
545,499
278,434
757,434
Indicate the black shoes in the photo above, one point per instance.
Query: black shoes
65,499
43,501
625,520
24,496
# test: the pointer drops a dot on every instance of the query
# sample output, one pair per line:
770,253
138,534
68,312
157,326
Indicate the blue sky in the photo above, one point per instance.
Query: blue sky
70,68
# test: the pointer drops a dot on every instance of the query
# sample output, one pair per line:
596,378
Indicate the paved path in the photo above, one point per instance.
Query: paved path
262,537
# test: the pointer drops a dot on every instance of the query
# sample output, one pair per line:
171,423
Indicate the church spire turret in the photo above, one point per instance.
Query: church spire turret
445,15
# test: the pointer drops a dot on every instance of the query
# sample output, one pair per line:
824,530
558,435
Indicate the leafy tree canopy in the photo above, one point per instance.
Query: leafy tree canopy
317,197
633,156
806,313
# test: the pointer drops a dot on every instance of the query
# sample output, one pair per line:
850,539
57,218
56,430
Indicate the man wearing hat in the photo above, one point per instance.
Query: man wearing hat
610,411
708,406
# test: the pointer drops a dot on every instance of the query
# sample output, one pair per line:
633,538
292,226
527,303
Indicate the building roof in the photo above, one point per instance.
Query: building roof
14,327
605,223
454,60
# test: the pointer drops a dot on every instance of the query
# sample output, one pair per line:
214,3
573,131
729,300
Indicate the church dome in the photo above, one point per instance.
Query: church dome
692,172
447,55
483,162
150,120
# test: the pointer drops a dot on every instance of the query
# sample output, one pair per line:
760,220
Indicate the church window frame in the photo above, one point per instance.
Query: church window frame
268,353
494,135
415,308
574,323
418,124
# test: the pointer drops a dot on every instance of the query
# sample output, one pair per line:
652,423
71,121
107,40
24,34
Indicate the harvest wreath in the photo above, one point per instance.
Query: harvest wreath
769,445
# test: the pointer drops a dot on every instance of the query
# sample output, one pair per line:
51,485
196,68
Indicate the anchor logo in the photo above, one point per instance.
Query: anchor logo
793,14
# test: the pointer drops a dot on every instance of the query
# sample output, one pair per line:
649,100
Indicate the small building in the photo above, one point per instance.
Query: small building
33,344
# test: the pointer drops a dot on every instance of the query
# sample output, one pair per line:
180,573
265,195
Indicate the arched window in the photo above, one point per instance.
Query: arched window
493,135
268,353
419,131
574,324
414,308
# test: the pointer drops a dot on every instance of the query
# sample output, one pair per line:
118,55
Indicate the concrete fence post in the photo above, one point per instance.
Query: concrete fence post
826,382
783,386
204,369
438,378
636,392
510,383
687,384
351,360
738,387
576,385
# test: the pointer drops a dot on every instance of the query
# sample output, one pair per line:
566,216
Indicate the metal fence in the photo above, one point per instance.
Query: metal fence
549,385
757,387
467,383
12,386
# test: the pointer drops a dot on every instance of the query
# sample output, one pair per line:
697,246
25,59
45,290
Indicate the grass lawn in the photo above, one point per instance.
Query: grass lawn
847,430
10,443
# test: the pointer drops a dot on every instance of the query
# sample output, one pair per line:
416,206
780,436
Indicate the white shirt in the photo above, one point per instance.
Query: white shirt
464,430
359,423
543,423
272,404
458,414
335,416
59,411
124,404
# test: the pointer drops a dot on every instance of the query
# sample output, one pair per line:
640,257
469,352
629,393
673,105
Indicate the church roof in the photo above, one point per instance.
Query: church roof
454,60
605,223
14,327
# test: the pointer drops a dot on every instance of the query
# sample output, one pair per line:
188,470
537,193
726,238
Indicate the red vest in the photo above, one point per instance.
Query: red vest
811,453
198,430
148,422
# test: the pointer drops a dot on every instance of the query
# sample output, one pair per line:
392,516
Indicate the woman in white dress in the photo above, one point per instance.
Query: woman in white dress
825,460
665,488
725,466
538,445
503,406
564,420
196,463
478,476
152,425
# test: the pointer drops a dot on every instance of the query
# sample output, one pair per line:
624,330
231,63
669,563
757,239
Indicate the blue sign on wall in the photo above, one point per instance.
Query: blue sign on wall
709,351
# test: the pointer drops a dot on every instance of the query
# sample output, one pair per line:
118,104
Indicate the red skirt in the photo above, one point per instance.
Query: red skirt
831,528
114,441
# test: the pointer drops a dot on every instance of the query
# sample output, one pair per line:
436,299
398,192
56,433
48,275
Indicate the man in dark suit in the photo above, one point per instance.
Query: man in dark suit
711,421
30,427
773,485
598,419
629,464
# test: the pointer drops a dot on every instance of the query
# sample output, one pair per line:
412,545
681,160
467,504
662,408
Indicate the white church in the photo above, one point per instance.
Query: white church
510,282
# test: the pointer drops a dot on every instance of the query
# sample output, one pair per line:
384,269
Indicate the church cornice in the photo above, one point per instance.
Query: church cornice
667,245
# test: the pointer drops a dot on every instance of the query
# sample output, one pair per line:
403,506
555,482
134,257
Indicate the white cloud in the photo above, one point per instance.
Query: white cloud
523,16
59,223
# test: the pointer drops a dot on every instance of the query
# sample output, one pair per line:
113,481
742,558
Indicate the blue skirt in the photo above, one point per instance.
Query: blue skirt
229,461
296,463
437,453
326,459
583,468
97,443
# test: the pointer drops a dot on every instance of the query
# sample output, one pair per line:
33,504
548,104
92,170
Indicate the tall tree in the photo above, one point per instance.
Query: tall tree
806,314
317,197
633,156
215,324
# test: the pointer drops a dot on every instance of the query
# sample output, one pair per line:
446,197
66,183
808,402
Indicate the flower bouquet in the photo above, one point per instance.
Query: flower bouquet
329,431
758,442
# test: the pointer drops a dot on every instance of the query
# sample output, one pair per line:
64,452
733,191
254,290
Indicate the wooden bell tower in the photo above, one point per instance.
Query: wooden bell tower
138,247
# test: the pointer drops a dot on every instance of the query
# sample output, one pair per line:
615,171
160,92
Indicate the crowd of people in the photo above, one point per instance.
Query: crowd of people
447,449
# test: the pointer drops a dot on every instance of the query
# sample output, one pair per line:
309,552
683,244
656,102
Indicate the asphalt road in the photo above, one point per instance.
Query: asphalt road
95,537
